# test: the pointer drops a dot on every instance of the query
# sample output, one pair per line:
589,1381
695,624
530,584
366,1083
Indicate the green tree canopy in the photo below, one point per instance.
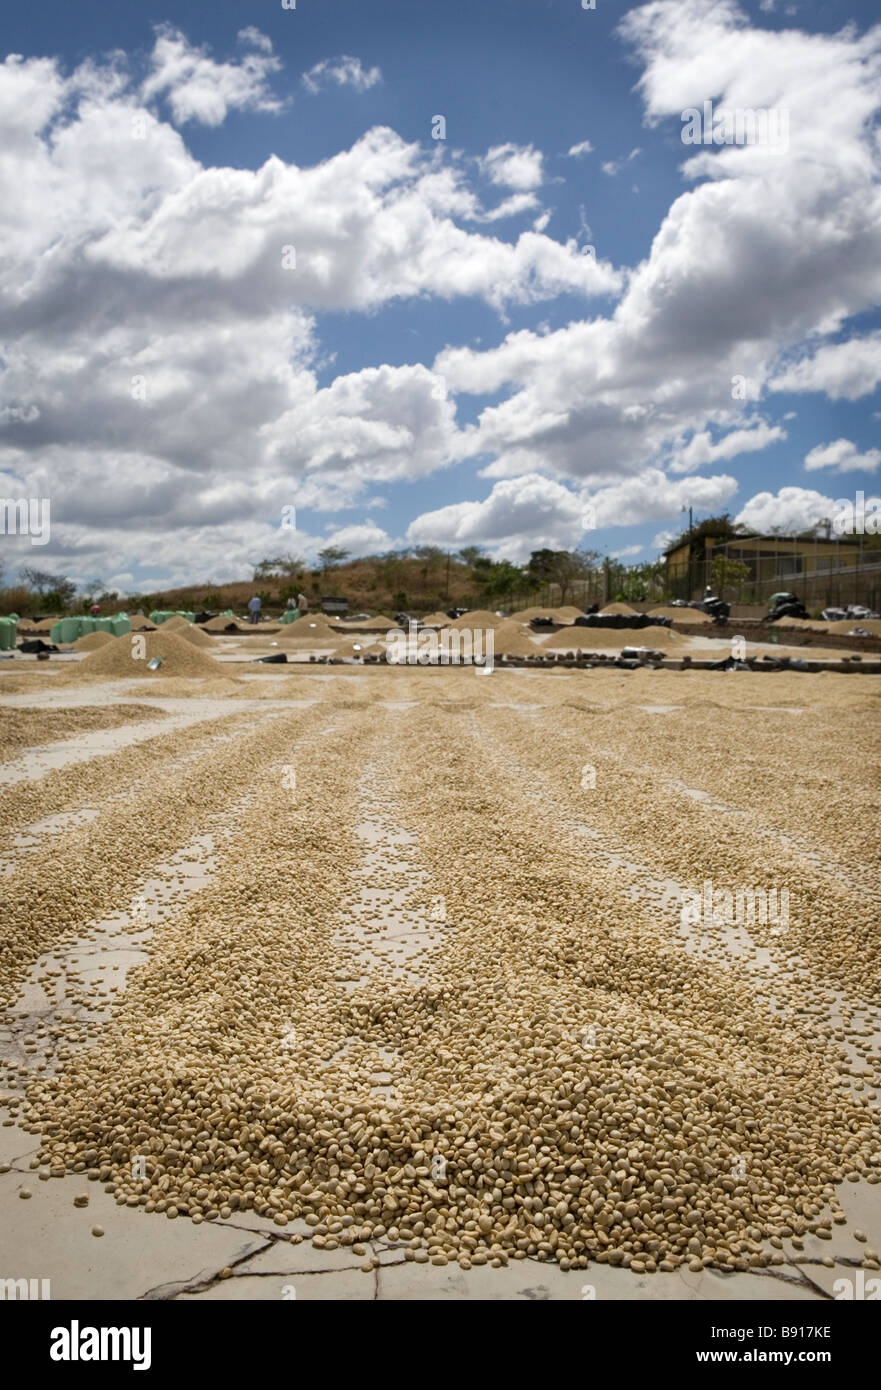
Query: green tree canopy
332,555
279,567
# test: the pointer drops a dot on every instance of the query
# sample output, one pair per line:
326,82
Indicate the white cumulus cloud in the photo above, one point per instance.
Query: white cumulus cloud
842,456
701,450
789,509
845,370
199,89
514,166
530,511
756,259
345,71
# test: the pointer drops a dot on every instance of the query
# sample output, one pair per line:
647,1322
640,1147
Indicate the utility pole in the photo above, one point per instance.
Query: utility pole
690,571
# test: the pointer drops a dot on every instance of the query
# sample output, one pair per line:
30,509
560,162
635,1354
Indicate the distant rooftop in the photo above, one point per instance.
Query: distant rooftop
805,537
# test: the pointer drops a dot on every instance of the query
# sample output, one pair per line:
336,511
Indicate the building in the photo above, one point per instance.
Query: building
822,569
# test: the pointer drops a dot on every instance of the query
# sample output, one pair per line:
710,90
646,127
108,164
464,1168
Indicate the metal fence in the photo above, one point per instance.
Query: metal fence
834,586
821,577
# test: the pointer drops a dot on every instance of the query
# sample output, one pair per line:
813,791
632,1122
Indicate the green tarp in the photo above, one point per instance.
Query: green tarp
65,631
68,630
161,615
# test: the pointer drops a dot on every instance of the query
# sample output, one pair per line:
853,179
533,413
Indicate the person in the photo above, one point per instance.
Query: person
302,603
95,610
291,604
254,606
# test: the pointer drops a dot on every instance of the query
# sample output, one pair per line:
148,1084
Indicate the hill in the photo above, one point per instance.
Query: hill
371,585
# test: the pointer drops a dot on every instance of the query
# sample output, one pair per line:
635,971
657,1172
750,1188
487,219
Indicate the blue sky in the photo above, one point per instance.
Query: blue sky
445,362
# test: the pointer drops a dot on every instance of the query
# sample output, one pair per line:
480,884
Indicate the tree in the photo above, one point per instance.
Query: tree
540,565
279,567
429,556
46,585
654,576
715,527
331,556
470,554
391,568
38,580
561,567
636,583
500,578
729,574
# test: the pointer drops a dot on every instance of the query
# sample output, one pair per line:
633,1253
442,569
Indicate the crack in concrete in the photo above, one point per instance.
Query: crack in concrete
198,1284
14,1162
271,1236
201,1283
807,1282
288,1273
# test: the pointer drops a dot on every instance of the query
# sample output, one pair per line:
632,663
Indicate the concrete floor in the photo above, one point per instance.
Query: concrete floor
247,1257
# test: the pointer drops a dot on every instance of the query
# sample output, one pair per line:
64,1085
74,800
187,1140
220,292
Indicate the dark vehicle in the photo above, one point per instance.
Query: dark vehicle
717,608
335,607
786,605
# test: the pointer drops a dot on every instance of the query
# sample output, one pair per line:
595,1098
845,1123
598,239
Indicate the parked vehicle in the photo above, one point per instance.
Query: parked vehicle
717,608
854,611
335,607
785,605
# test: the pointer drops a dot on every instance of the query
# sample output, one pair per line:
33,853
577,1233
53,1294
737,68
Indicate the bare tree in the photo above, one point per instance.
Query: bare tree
331,556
